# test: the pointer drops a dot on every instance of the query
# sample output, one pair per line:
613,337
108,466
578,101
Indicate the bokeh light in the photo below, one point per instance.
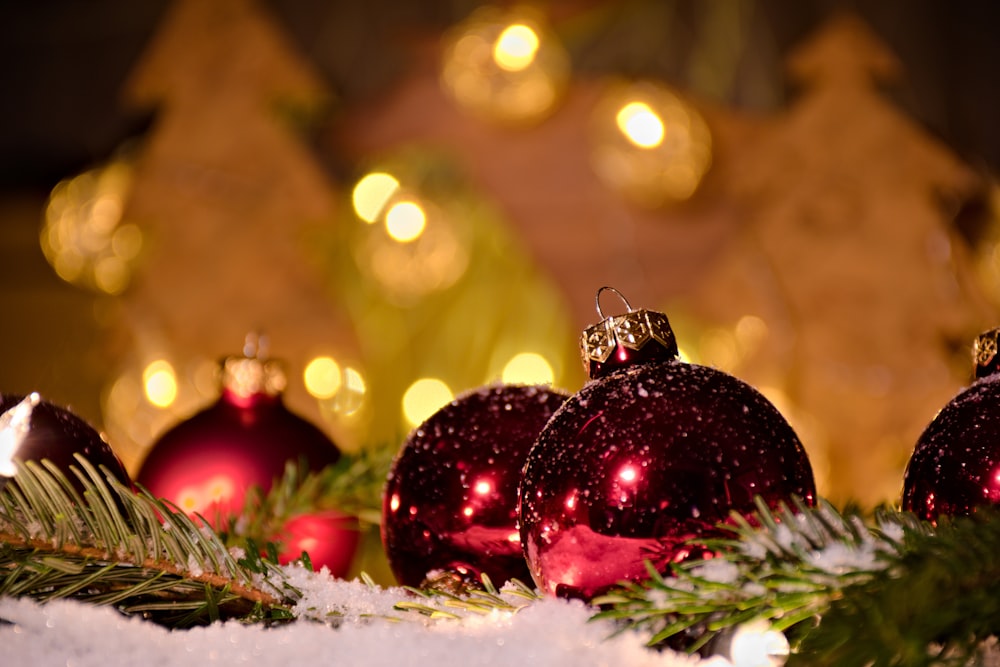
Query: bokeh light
84,236
416,249
648,144
160,383
322,377
528,368
423,398
516,47
150,393
505,66
405,221
640,125
372,193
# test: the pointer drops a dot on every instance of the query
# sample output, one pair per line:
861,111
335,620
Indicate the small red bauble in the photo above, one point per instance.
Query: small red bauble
32,429
955,465
651,454
328,536
207,463
450,504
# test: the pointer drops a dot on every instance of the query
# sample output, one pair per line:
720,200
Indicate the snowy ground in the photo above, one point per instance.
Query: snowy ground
549,632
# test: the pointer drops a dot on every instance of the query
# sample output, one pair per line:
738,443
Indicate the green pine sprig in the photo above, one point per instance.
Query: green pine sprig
889,590
783,567
112,545
936,603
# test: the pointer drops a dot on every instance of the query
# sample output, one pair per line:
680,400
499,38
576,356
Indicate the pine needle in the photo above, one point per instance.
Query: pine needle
784,567
111,545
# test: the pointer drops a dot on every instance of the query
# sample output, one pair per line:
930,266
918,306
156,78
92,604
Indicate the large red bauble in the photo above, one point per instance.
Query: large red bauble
56,434
650,455
955,465
450,504
207,463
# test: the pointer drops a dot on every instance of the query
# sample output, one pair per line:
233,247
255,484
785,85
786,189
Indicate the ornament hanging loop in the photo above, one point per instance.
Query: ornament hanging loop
597,300
638,336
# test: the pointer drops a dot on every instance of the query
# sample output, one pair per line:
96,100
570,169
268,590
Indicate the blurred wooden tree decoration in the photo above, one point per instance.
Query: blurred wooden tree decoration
849,258
224,189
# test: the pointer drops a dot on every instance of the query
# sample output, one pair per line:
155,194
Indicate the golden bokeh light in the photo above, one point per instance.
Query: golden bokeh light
649,144
423,398
84,237
516,47
528,368
149,394
322,377
159,383
405,221
417,249
640,125
505,66
372,193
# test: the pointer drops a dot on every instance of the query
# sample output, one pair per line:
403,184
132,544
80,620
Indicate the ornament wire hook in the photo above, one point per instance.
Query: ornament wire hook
597,300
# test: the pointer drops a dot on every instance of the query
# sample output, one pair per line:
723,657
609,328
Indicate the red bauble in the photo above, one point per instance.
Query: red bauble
450,504
955,465
42,430
207,463
328,536
651,454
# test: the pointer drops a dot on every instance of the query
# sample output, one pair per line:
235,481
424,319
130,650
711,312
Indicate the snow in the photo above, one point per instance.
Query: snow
365,631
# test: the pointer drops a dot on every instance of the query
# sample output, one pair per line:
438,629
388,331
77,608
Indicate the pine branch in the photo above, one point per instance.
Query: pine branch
934,605
42,551
785,568
111,545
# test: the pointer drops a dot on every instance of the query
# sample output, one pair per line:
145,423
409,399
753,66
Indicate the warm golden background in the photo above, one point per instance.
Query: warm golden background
807,191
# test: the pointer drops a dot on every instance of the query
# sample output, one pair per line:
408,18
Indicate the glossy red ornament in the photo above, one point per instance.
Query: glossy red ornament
328,536
450,504
955,465
651,454
32,429
207,463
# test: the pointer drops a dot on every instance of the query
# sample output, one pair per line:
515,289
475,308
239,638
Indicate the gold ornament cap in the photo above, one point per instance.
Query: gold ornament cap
637,337
984,353
253,374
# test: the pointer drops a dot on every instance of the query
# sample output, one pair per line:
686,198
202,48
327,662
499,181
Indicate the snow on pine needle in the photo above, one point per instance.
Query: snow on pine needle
783,567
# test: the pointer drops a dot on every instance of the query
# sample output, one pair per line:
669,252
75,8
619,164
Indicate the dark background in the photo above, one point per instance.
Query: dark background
63,62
